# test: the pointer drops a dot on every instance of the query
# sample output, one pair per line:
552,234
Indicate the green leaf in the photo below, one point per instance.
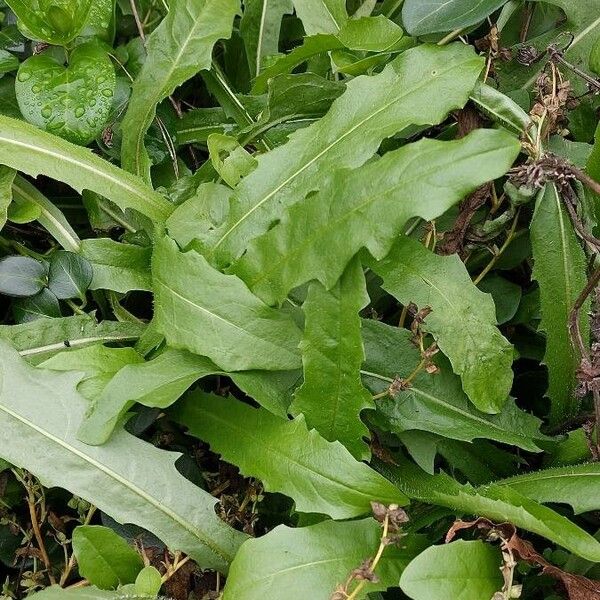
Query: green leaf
118,267
230,160
320,476
8,62
196,125
332,395
177,49
311,46
22,276
431,16
465,570
70,275
99,364
7,176
56,22
42,339
26,148
310,562
370,34
259,28
296,98
321,16
36,206
421,86
578,486
369,207
506,295
205,209
43,304
105,559
435,403
130,480
159,382
73,102
497,503
560,269
583,23
215,315
462,319
148,582
502,109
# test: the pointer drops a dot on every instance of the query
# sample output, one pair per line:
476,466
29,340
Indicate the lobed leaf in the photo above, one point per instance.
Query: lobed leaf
321,476
462,319
197,308
419,87
130,480
178,48
435,403
497,503
332,395
368,207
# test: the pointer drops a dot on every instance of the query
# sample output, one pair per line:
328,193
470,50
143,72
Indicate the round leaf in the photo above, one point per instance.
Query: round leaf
70,275
73,102
148,582
21,276
104,558
465,570
53,21
44,304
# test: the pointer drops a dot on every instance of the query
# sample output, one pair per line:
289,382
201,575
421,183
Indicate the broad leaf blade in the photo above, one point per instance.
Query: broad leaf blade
26,148
177,49
435,403
130,480
419,87
310,562
369,207
560,269
321,476
104,558
332,395
215,315
116,266
466,570
462,319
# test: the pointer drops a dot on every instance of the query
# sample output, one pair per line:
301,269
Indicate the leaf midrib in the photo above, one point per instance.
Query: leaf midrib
441,403
189,528
120,182
318,232
247,432
423,83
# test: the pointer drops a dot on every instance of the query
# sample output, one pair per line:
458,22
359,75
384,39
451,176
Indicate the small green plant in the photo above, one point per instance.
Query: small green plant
290,289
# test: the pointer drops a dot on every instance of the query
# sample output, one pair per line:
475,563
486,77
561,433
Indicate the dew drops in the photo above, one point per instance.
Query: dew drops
107,93
46,112
23,75
79,112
